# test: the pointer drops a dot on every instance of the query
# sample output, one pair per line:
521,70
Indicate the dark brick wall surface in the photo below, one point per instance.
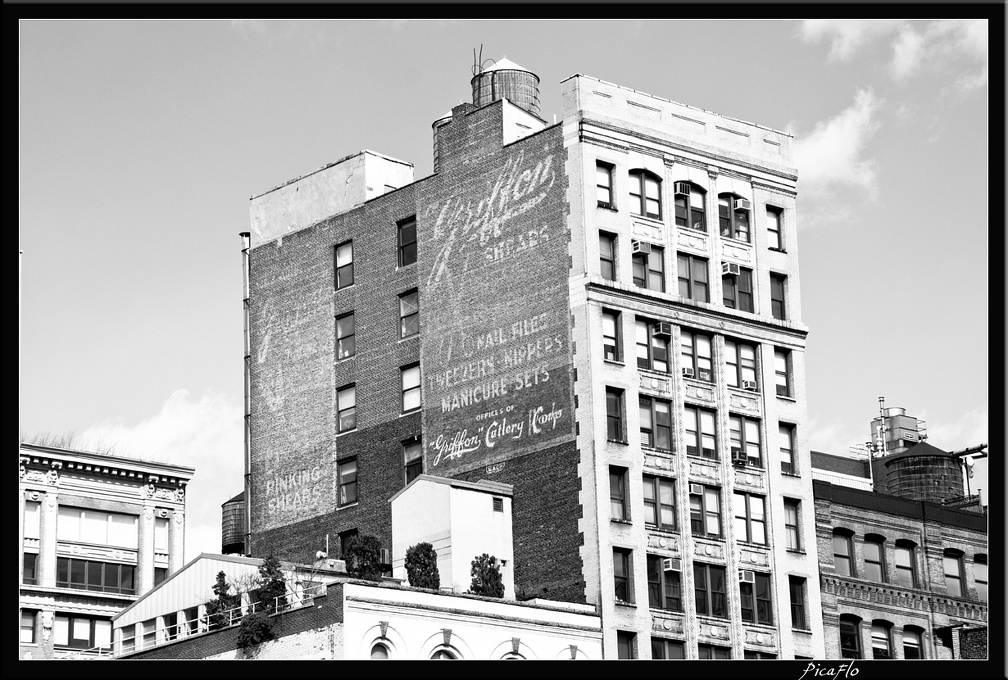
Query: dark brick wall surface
973,643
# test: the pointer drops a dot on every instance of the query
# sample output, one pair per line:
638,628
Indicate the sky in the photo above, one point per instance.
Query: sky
141,142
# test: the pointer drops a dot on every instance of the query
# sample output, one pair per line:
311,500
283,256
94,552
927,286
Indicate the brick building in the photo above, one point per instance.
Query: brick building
603,314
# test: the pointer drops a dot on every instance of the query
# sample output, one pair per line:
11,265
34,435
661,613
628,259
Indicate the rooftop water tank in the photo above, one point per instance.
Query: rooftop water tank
506,80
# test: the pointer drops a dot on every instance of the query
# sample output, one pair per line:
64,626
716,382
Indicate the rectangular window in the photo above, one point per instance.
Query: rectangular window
607,256
31,519
756,601
906,574
603,182
28,626
346,407
693,278
626,645
149,633
710,591
346,341
733,217
706,652
792,529
410,376
874,558
738,292
782,369
612,346
30,571
161,534
667,649
192,620
842,554
81,632
129,639
980,576
774,236
880,641
747,654
745,441
344,265
911,643
750,518
170,630
952,562
619,498
95,526
664,589
409,314
799,620
160,574
778,307
614,415
407,238
645,193
348,482
413,459
652,346
786,435
740,359
623,574
93,575
705,511
850,638
659,503
649,269
700,438
656,423
695,355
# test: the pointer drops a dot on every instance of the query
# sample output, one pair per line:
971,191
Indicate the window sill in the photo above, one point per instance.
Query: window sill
648,218
347,287
347,506
401,267
803,631
615,362
735,240
787,397
617,441
347,358
777,250
695,456
686,227
409,337
624,603
606,206
340,434
752,544
614,520
652,449
791,474
796,552
662,529
411,412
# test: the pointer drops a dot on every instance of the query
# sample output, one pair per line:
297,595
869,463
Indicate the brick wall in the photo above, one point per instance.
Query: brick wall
973,643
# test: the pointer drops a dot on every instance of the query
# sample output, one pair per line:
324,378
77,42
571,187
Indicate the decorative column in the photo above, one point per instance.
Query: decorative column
145,539
48,511
176,534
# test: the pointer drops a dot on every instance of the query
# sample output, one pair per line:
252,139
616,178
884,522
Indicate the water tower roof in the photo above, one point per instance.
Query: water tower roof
505,63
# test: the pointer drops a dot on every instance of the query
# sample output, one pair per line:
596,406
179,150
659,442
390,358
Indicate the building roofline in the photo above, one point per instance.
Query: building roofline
484,486
107,460
925,511
362,152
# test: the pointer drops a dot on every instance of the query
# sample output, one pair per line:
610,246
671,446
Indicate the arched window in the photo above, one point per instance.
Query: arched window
912,645
880,639
379,651
874,558
444,653
850,637
842,552
906,564
645,193
690,206
733,216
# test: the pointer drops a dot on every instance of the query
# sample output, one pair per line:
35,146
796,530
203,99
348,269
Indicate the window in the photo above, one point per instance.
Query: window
656,423
31,519
612,347
705,511
348,482
786,434
379,651
28,626
344,265
149,633
709,588
652,346
649,269
713,652
774,237
980,575
690,210
912,642
874,558
792,533
160,574
693,277
659,503
129,638
799,618
409,314
778,307
700,439
645,194
667,649
170,629
626,645
81,632
619,500
623,574
740,361
346,538
737,293
161,534
906,573
880,640
346,406
756,601
345,336
30,571
607,256
93,575
614,415
733,216
745,440
444,654
603,185
842,553
413,459
407,238
750,518
952,562
664,588
695,354
850,637
747,654
782,369
95,526
410,376
191,620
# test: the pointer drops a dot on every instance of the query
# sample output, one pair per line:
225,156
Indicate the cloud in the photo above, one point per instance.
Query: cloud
833,437
943,46
206,434
846,35
249,26
968,430
906,53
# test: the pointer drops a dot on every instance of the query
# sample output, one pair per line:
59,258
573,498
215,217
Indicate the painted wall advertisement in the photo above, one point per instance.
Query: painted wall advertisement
494,314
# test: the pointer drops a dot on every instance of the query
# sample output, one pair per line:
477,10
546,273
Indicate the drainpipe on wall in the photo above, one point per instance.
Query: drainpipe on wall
247,547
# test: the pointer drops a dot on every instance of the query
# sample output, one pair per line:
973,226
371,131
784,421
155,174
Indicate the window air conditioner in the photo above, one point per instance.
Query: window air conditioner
671,564
742,204
687,372
746,576
704,374
696,489
738,456
663,328
640,247
729,269
749,385
681,188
